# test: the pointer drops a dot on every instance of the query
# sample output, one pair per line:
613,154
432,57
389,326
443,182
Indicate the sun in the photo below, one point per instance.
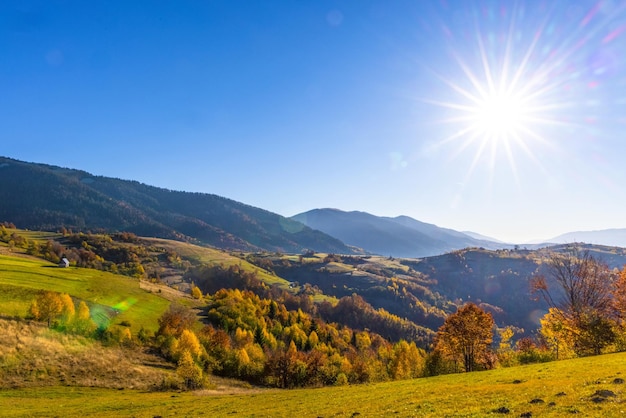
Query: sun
501,104
500,116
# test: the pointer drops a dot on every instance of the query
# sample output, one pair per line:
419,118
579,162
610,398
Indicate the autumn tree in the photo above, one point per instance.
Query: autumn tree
466,335
189,342
196,293
83,323
189,371
557,334
68,310
46,307
579,289
175,320
619,296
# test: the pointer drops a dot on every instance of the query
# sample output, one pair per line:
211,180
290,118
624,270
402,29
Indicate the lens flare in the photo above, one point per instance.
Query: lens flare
521,83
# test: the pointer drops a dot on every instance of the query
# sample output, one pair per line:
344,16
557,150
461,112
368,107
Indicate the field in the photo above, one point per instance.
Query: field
551,389
117,298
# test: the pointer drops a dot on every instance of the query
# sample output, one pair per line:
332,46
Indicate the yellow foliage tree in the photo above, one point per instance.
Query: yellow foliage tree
558,334
363,341
196,293
189,342
407,361
189,371
48,307
82,323
67,310
125,336
313,339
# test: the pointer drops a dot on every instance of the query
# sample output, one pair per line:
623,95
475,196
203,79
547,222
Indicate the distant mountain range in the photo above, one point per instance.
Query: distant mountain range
398,237
45,197
611,237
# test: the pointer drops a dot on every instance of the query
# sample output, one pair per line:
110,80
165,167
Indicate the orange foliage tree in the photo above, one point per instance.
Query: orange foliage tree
466,335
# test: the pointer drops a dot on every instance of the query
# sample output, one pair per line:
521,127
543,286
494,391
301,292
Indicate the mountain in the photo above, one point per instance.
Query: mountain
610,237
401,236
44,197
481,237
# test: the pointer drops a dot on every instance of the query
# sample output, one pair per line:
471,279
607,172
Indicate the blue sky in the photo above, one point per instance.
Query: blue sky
500,117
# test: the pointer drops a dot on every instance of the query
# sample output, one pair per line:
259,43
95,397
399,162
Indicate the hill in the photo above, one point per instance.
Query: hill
44,197
590,387
401,236
113,299
425,290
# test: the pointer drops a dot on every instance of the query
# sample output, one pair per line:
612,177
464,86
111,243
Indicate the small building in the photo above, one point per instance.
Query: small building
64,262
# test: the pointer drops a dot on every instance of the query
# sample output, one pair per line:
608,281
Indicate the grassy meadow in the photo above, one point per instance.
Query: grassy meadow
552,389
22,277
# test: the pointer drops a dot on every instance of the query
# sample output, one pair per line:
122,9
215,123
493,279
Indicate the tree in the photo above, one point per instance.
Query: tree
82,323
189,371
189,342
47,307
68,310
619,295
557,334
467,335
583,297
196,293
175,320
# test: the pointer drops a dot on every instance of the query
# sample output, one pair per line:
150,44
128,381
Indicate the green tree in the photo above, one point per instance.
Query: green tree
466,335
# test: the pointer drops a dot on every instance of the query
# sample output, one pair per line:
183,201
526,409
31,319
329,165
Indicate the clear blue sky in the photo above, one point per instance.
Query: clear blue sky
504,118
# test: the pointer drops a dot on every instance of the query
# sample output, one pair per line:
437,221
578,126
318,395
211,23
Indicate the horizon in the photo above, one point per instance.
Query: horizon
538,241
499,118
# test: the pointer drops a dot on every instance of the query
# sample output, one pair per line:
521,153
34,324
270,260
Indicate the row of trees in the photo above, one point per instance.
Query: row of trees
587,316
58,310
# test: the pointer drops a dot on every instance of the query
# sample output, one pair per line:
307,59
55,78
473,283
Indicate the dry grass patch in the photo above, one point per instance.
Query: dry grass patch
32,355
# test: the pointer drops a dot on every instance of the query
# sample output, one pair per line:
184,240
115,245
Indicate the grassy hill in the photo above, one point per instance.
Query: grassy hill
111,297
590,387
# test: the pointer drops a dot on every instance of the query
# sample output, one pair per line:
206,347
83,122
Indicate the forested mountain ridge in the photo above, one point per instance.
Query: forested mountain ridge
401,236
44,197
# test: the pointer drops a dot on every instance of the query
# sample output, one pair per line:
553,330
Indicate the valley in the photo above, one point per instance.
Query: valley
219,302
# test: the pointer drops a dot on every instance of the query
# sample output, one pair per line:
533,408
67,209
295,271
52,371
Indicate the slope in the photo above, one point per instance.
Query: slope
112,298
398,237
553,389
43,197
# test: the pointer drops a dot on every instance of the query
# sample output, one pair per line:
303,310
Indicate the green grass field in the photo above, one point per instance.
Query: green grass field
564,388
22,277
